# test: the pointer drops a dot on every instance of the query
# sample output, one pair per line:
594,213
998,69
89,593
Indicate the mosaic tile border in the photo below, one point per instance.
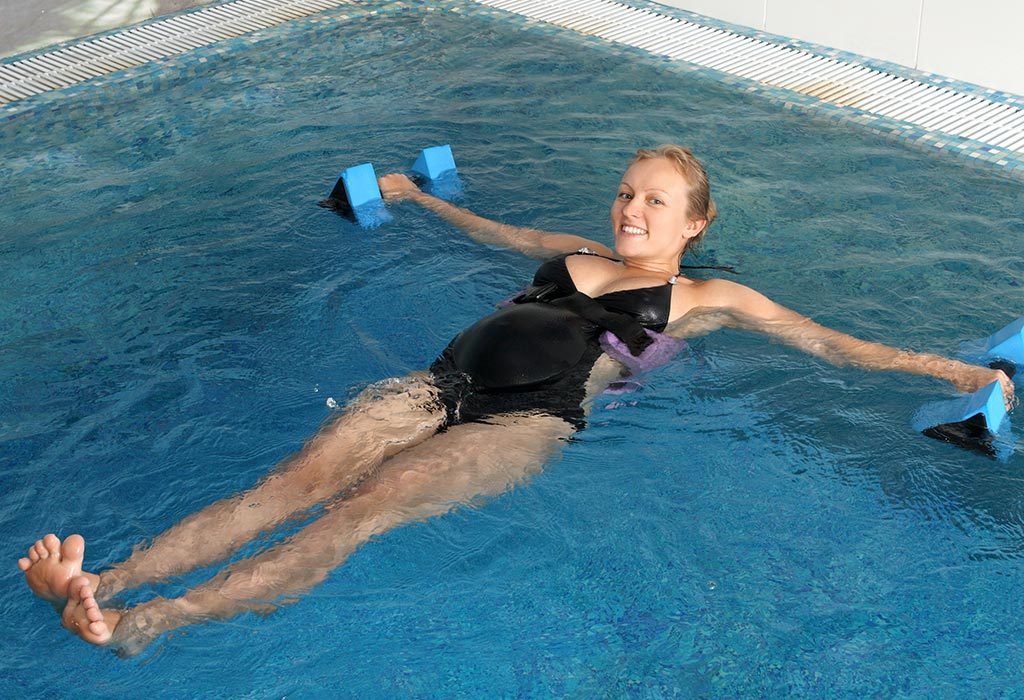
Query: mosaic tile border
150,77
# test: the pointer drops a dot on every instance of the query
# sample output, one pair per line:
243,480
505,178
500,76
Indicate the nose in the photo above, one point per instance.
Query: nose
632,208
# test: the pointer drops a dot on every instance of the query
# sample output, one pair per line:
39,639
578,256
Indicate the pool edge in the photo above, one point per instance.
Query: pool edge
191,61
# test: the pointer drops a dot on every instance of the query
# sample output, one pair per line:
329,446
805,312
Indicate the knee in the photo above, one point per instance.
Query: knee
412,479
243,585
264,584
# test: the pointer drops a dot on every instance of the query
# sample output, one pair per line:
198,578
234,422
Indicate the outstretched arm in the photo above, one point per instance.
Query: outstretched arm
537,244
742,307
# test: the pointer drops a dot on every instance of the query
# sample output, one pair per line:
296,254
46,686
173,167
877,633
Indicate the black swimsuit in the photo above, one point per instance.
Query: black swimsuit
536,355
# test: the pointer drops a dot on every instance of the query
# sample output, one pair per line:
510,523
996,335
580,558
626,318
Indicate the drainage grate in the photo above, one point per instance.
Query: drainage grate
930,107
132,47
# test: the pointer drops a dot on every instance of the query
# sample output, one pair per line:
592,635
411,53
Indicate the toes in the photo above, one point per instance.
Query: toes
24,563
83,616
100,630
33,555
75,593
40,550
94,613
52,545
73,549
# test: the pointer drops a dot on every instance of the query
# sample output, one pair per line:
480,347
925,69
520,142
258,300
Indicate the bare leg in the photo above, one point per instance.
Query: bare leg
384,420
455,467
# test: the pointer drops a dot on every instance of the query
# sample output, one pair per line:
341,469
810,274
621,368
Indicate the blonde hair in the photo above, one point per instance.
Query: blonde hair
701,205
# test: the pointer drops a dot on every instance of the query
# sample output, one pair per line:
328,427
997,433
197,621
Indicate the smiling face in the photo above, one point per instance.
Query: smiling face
651,214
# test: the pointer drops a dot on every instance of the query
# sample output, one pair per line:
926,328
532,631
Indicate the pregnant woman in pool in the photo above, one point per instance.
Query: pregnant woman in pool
501,398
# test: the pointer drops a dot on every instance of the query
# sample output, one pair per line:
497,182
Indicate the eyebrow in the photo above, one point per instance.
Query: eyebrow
655,189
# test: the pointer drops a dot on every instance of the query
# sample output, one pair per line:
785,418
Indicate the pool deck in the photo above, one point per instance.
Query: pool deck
32,25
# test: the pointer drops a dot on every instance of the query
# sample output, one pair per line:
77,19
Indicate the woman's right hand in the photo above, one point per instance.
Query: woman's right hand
970,378
1009,398
396,186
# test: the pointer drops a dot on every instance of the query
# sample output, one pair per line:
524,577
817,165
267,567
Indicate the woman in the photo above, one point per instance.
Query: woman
494,406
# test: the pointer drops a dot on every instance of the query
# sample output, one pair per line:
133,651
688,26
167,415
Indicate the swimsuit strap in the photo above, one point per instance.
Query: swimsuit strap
724,268
587,251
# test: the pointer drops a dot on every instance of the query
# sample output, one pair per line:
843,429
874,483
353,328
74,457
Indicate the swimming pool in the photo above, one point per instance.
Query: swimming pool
179,311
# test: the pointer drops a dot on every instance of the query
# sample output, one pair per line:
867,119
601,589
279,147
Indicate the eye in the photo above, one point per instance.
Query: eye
655,200
625,196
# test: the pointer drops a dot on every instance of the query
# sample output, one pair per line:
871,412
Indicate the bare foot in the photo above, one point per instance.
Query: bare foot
128,632
50,566
82,614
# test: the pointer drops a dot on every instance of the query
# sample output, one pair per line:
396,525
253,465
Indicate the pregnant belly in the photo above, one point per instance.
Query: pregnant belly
522,345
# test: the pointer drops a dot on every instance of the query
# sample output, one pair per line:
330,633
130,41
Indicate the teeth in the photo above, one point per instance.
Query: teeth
633,230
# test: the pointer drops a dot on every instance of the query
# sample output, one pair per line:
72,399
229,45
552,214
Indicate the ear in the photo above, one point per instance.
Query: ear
694,227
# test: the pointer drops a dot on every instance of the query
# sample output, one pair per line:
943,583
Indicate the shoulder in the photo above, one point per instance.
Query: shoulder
719,292
725,295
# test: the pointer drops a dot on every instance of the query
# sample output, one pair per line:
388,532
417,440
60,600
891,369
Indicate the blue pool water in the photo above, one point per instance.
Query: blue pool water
176,311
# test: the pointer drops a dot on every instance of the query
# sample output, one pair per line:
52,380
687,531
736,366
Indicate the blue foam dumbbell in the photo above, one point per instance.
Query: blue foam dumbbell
356,195
970,421
973,421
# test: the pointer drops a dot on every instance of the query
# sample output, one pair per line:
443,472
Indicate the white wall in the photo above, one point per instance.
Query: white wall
981,46
746,12
978,42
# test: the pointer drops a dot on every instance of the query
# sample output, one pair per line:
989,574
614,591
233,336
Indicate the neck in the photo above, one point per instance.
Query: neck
669,268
